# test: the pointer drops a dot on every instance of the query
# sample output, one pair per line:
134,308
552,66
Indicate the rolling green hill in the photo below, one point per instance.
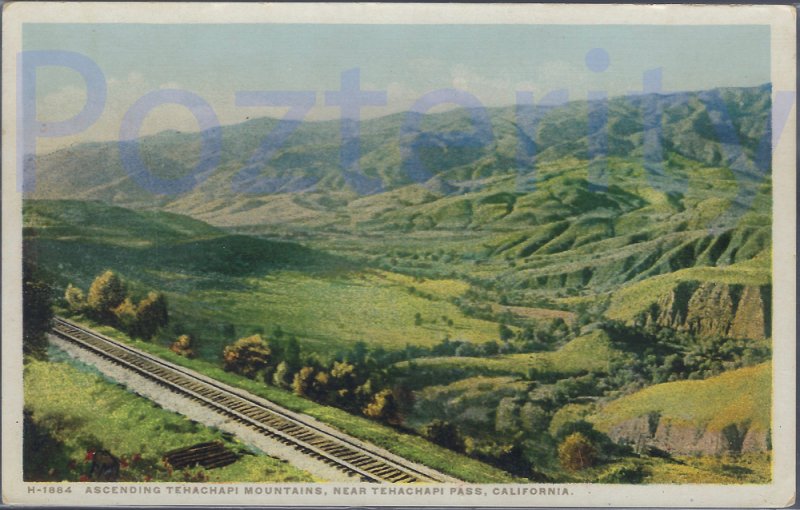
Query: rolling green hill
220,285
571,225
592,352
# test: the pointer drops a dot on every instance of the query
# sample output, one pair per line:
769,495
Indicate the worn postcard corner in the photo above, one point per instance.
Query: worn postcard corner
398,254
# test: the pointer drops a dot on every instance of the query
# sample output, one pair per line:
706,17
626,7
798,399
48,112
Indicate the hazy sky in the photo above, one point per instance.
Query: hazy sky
492,62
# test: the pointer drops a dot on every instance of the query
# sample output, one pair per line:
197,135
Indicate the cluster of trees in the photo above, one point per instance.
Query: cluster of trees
109,301
664,354
523,341
37,313
530,452
353,381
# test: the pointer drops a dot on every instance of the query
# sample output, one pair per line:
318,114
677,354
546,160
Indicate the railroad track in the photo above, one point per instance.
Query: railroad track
271,420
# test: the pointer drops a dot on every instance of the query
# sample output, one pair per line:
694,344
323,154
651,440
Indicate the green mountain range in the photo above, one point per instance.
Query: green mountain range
554,234
529,193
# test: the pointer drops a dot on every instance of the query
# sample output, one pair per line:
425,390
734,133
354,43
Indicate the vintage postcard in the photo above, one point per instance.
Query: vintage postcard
398,254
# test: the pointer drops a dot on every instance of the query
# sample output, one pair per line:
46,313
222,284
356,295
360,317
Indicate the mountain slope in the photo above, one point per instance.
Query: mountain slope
444,147
729,413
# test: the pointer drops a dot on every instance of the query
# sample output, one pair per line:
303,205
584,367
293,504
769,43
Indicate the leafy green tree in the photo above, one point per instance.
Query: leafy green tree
490,348
358,354
577,452
533,418
151,314
37,314
282,376
303,381
321,386
445,434
466,349
384,407
344,375
105,294
75,298
507,415
126,316
291,354
247,356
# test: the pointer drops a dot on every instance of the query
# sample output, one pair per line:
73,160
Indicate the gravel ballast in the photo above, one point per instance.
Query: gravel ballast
195,411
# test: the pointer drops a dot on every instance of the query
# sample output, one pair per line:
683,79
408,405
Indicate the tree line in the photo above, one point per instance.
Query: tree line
108,301
353,381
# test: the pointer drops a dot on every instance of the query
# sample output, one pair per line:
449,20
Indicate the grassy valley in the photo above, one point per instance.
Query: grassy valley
512,314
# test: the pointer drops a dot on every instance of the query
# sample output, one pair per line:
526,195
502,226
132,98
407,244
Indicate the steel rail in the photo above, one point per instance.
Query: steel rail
270,420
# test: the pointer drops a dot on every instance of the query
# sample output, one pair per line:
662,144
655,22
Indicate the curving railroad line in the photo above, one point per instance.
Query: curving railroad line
269,419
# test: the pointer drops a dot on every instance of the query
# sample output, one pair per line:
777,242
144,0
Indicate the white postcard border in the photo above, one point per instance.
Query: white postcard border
780,492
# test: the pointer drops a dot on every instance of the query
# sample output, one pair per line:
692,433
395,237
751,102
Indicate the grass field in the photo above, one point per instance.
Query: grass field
330,312
221,287
741,469
74,410
753,468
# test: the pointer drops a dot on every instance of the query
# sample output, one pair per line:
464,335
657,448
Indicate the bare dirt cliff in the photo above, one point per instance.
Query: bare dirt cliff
687,439
708,309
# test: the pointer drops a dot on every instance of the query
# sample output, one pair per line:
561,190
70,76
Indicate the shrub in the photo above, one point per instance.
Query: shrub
75,298
344,375
37,313
320,385
183,346
576,452
604,446
384,407
151,314
126,316
105,294
247,356
445,434
624,473
281,377
302,382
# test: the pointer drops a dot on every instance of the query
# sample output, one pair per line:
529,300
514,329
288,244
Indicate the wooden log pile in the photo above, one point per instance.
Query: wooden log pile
209,455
